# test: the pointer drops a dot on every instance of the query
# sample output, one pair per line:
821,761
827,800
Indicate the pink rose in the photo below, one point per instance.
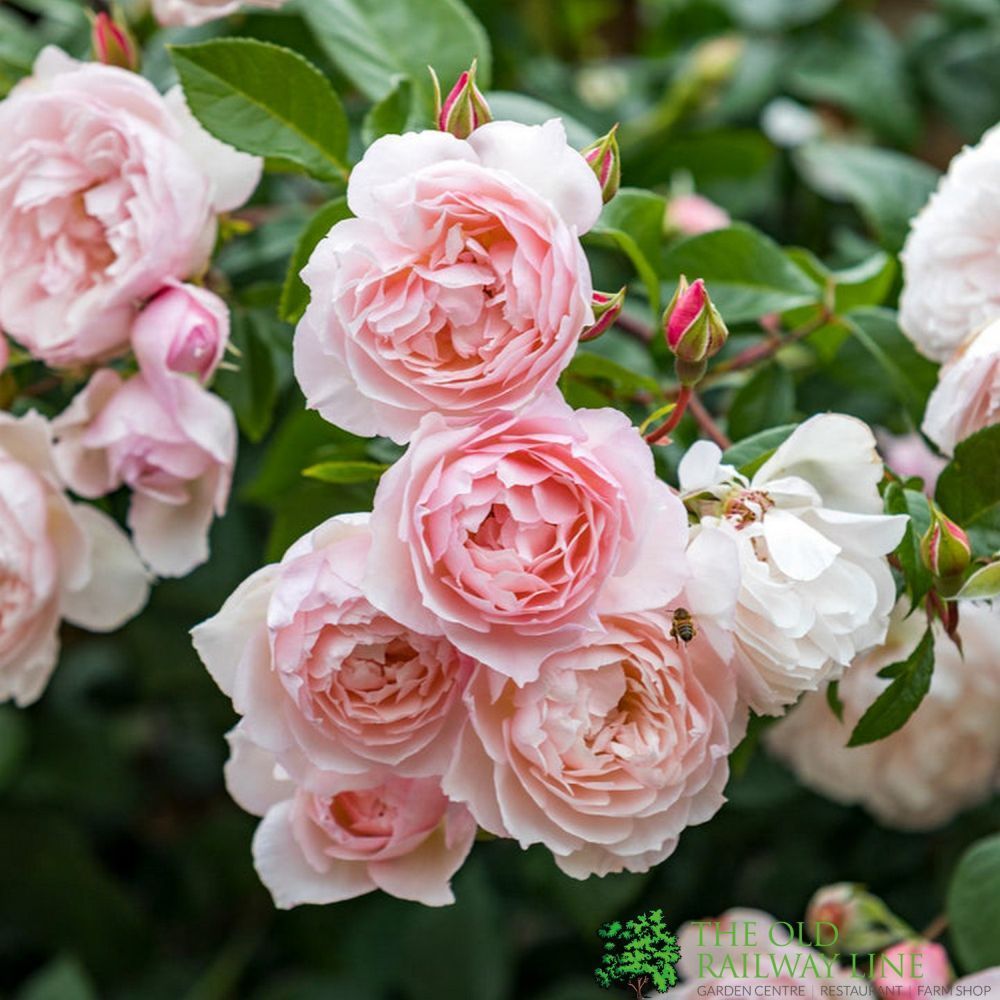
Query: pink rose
909,970
324,680
967,396
193,12
183,330
620,744
513,536
106,191
59,561
175,450
460,288
691,214
402,836
908,455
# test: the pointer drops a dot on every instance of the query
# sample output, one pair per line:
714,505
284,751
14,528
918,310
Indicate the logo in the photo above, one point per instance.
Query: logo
638,955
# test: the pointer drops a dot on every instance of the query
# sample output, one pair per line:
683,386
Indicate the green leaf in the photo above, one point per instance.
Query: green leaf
376,43
773,15
914,504
294,294
911,680
633,222
887,188
746,273
266,100
252,391
982,585
968,489
390,114
910,376
962,73
834,701
752,452
766,399
974,905
345,472
865,284
62,979
587,365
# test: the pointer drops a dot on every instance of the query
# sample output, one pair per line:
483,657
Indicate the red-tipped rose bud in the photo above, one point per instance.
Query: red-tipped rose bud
694,330
945,546
465,108
112,43
606,162
606,309
845,917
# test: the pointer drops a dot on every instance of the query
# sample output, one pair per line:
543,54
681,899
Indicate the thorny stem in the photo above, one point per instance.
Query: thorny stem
683,400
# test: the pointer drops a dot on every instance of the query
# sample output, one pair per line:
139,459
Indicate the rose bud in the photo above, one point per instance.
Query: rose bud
112,43
607,309
465,108
912,969
863,922
945,546
694,330
606,162
184,329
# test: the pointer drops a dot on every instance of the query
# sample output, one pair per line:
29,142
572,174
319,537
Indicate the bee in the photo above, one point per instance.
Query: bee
683,627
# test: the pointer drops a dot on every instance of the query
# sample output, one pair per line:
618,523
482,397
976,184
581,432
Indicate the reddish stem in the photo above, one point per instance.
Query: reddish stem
657,435
707,423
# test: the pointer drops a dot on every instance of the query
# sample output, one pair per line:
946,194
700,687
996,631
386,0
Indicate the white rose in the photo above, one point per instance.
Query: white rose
812,539
947,756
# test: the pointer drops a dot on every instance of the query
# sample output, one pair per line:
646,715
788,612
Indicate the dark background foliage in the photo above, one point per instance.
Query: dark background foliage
125,870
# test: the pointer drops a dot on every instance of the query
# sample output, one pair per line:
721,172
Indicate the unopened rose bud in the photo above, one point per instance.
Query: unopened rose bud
606,162
465,108
716,59
945,546
694,330
606,309
112,43
911,970
845,917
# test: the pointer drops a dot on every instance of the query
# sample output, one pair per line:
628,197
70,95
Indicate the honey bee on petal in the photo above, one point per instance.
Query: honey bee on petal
683,627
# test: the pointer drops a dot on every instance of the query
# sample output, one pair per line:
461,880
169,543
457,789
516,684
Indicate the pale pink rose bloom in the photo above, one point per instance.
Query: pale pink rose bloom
324,680
908,455
811,540
979,984
401,836
945,759
912,969
620,744
967,396
721,956
460,288
104,194
175,450
512,537
183,330
59,561
692,214
188,13
951,269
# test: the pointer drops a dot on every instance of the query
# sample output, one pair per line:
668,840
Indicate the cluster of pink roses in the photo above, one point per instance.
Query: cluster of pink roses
497,643
109,194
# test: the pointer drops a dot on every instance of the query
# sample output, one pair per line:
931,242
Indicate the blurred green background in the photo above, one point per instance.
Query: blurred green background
125,870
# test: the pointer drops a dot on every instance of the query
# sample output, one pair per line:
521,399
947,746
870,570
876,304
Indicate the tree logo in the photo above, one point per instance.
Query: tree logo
638,955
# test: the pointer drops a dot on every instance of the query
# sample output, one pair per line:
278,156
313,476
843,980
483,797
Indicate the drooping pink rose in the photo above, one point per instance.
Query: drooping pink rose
912,969
325,681
512,536
189,13
460,288
182,330
691,214
967,396
401,836
105,193
620,744
175,450
59,561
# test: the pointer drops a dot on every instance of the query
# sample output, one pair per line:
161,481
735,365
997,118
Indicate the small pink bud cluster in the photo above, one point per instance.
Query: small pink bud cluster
465,108
607,308
606,162
694,330
945,546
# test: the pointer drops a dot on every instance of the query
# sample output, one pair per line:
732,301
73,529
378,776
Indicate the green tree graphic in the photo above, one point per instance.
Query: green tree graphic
638,954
